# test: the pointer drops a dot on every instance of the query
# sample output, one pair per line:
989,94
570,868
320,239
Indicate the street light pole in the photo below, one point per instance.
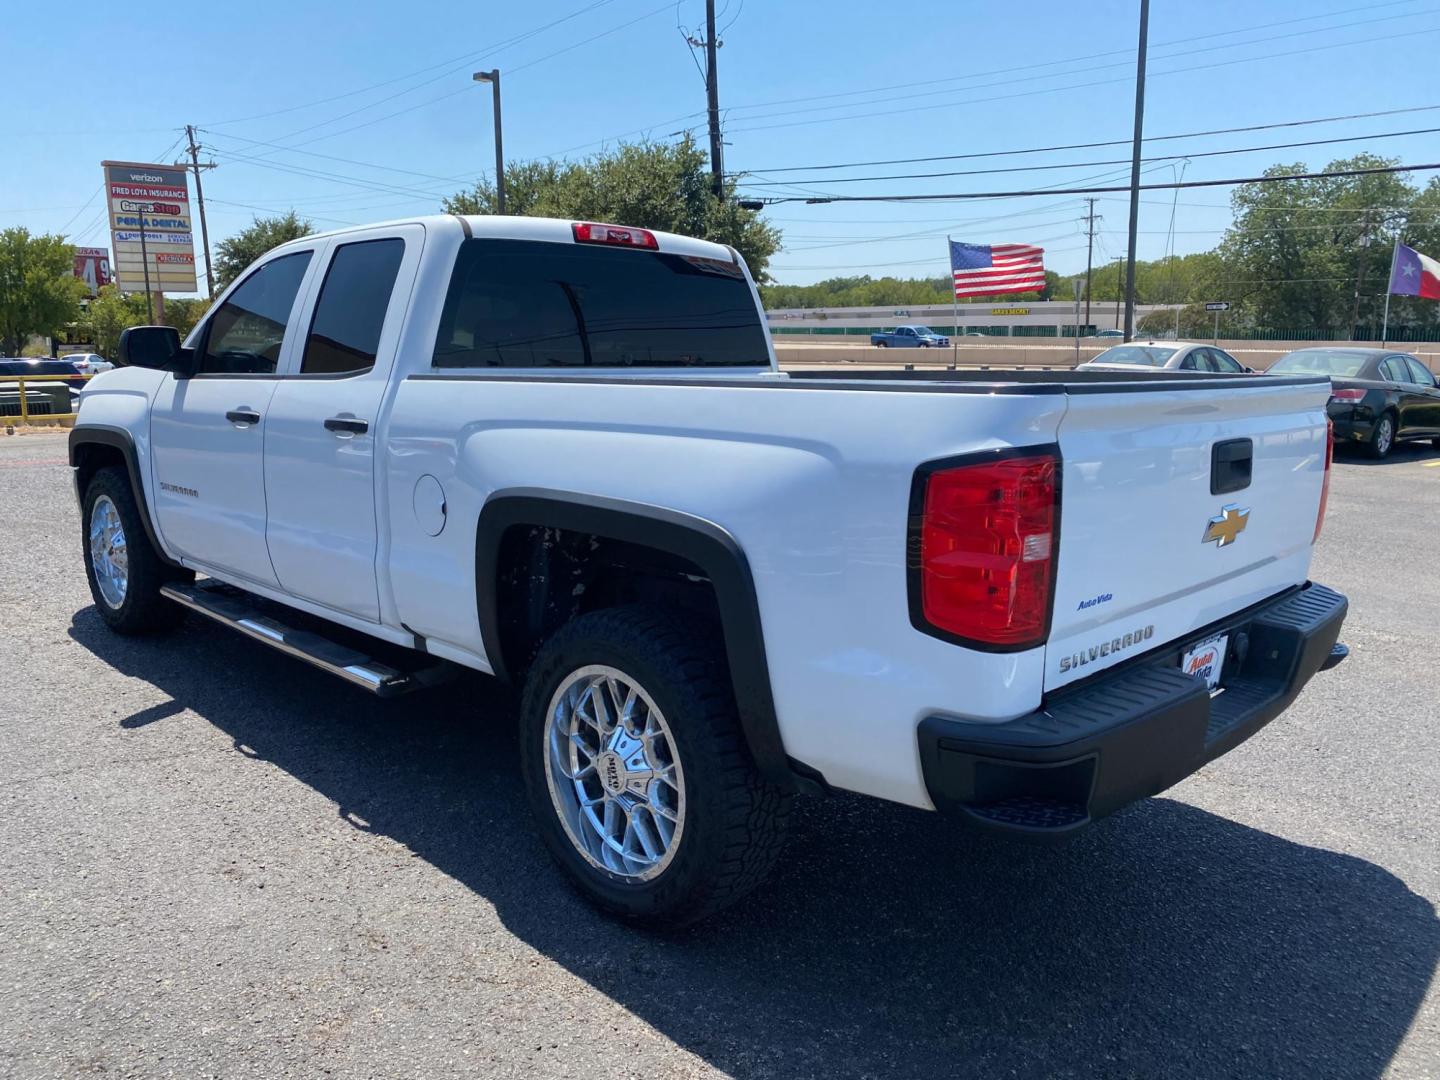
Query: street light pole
493,78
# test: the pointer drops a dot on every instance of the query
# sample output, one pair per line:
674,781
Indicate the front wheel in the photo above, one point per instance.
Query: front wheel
637,772
125,572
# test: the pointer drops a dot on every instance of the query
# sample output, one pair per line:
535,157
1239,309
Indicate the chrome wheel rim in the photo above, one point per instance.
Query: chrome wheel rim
1384,434
614,776
109,555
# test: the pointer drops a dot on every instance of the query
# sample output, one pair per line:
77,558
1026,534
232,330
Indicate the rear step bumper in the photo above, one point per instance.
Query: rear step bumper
1131,733
240,611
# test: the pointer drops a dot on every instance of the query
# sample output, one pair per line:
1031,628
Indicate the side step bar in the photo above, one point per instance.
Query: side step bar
237,610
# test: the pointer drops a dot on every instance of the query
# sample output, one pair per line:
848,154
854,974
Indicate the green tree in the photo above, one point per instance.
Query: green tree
39,292
184,312
242,249
662,186
110,312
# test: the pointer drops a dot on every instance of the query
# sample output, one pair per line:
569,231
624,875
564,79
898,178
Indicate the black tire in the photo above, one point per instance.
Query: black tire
734,820
881,345
1380,449
142,610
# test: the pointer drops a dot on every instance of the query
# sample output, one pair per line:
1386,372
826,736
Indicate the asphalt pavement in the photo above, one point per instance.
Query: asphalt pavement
215,861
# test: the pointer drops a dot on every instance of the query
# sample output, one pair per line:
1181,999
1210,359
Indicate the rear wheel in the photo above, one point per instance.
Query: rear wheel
881,345
1382,440
637,771
125,572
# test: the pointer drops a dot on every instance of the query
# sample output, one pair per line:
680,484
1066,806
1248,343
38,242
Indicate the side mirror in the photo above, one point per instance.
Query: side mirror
156,347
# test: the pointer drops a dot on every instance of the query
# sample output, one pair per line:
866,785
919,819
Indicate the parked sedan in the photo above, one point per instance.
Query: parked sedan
89,363
1377,397
1165,356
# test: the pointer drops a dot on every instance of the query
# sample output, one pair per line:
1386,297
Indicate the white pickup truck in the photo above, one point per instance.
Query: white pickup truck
562,454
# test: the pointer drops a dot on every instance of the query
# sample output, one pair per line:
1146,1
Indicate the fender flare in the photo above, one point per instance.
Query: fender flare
118,439
702,542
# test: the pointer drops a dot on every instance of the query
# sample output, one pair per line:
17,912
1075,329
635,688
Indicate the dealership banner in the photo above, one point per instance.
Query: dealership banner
150,226
92,266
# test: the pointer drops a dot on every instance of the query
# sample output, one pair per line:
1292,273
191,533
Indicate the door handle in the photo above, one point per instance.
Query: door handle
347,425
243,416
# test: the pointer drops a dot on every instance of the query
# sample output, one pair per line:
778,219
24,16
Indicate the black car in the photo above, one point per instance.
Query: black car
1377,397
28,366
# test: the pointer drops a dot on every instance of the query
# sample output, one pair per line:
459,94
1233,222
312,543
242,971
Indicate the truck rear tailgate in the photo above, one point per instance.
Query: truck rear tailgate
1152,545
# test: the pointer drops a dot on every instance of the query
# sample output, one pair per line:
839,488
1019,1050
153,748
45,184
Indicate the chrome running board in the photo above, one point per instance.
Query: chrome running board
239,611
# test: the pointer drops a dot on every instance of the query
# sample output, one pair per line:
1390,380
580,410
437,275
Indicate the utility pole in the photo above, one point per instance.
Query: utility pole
1089,248
493,78
712,99
195,166
1135,170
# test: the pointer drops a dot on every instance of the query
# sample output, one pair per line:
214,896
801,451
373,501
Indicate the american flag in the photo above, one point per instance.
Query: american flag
984,269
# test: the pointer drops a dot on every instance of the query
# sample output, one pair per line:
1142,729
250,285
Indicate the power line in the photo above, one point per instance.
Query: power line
1088,60
990,99
1109,142
970,195
464,61
1115,161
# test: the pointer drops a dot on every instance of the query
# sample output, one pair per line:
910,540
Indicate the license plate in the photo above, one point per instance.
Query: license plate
1206,659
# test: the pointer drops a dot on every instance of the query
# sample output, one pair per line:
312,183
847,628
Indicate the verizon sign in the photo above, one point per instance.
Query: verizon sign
150,227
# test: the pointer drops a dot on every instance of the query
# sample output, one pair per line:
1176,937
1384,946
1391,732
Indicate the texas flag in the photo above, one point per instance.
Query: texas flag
1413,274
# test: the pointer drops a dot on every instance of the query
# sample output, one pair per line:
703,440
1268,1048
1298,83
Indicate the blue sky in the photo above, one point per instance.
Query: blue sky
389,85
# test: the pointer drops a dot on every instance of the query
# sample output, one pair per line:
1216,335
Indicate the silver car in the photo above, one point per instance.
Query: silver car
1166,356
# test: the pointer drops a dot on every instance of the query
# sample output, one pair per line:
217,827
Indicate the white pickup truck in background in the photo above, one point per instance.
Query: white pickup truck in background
561,453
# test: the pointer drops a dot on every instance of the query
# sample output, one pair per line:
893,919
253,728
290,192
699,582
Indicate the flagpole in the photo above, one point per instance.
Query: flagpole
1389,284
954,307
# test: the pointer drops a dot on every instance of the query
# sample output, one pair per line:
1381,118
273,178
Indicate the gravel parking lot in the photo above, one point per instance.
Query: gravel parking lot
215,861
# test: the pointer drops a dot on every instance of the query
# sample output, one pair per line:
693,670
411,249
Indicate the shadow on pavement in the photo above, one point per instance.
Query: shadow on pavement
1411,452
1166,941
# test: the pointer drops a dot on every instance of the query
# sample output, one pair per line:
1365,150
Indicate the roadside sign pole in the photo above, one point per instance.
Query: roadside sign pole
1215,337
145,262
1077,321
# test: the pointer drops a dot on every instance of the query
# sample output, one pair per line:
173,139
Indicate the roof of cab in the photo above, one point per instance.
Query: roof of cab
554,230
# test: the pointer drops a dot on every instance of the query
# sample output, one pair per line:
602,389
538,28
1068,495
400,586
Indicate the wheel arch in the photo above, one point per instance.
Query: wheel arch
706,545
96,446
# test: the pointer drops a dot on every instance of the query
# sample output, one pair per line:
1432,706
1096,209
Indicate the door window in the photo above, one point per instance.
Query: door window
1393,368
245,335
1223,361
345,331
1420,374
1192,361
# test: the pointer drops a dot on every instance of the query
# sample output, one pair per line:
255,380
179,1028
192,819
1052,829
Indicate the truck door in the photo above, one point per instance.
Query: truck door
207,431
320,441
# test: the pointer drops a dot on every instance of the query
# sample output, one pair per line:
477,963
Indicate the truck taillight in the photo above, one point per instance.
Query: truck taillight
982,558
588,232
1325,483
1347,395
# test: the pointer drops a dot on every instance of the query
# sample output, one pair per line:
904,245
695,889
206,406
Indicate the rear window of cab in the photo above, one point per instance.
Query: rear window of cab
540,304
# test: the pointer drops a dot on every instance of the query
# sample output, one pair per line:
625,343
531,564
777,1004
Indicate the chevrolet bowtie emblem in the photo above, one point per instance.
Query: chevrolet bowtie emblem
1225,526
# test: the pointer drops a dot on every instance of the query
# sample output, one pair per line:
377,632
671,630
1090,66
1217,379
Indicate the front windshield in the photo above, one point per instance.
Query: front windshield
1341,362
1140,355
925,331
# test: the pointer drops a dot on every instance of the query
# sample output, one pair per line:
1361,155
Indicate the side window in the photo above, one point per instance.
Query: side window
245,335
1225,362
1420,374
345,330
1191,361
1393,368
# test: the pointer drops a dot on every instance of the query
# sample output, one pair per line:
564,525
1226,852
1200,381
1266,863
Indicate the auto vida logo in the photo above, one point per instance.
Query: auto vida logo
1106,648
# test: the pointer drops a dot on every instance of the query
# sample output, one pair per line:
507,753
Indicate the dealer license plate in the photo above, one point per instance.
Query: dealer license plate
1206,660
